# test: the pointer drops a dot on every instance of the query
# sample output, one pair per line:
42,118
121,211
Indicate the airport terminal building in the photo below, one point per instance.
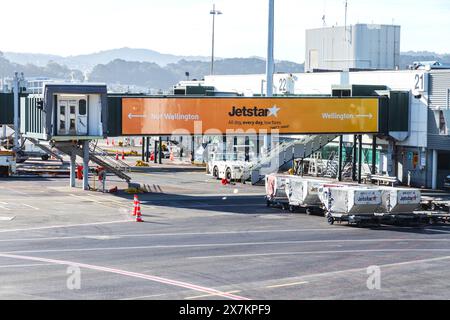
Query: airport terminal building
420,155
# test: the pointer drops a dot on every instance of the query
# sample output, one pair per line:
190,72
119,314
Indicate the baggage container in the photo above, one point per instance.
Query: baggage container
351,200
400,200
276,190
303,193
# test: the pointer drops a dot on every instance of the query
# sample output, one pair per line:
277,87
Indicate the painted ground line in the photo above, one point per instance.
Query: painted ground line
129,274
66,226
104,203
316,252
210,295
146,297
31,207
108,199
287,285
217,245
173,234
364,269
25,265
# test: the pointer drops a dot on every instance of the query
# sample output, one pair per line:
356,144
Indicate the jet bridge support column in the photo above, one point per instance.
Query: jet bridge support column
247,148
86,165
193,148
258,147
147,152
143,149
73,169
354,156
155,150
374,154
360,159
341,143
224,146
160,150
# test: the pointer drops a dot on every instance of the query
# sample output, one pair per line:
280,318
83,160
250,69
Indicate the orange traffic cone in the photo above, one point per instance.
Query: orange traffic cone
123,155
138,212
117,155
171,156
107,141
135,205
152,156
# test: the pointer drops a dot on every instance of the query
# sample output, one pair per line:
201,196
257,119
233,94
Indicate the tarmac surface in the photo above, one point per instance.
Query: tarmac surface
201,240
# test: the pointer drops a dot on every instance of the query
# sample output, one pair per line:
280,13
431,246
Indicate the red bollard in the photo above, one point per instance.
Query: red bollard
80,172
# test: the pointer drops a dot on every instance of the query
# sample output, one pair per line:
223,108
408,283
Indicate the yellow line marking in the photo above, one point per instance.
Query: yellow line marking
288,284
211,295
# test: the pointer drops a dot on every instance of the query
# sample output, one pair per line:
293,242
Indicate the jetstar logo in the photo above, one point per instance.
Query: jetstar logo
254,112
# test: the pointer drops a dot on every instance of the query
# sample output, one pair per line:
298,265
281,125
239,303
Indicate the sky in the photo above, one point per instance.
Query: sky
184,27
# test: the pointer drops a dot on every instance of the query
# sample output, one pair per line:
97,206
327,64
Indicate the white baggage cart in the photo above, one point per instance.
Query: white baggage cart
304,193
351,204
276,190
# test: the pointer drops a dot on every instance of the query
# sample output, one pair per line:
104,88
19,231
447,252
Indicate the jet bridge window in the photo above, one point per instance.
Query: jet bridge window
62,118
82,107
72,117
442,123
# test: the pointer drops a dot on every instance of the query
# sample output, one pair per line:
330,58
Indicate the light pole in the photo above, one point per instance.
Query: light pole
213,12
270,49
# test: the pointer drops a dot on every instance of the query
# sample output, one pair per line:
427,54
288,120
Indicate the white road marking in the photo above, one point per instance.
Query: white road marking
66,226
34,208
108,199
238,244
25,265
287,285
210,295
364,269
90,199
317,252
6,218
129,274
145,297
179,234
441,231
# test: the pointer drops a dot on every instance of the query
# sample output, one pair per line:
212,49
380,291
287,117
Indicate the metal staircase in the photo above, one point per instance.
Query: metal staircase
103,155
287,152
332,167
46,149
100,157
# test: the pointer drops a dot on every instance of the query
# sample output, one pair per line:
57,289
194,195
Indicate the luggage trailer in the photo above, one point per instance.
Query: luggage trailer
355,205
276,191
303,194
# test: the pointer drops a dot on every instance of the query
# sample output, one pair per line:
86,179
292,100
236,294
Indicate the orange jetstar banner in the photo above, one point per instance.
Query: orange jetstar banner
167,116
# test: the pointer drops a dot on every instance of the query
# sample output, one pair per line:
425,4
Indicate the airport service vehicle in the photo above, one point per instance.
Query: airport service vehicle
7,163
352,204
303,193
230,168
216,162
